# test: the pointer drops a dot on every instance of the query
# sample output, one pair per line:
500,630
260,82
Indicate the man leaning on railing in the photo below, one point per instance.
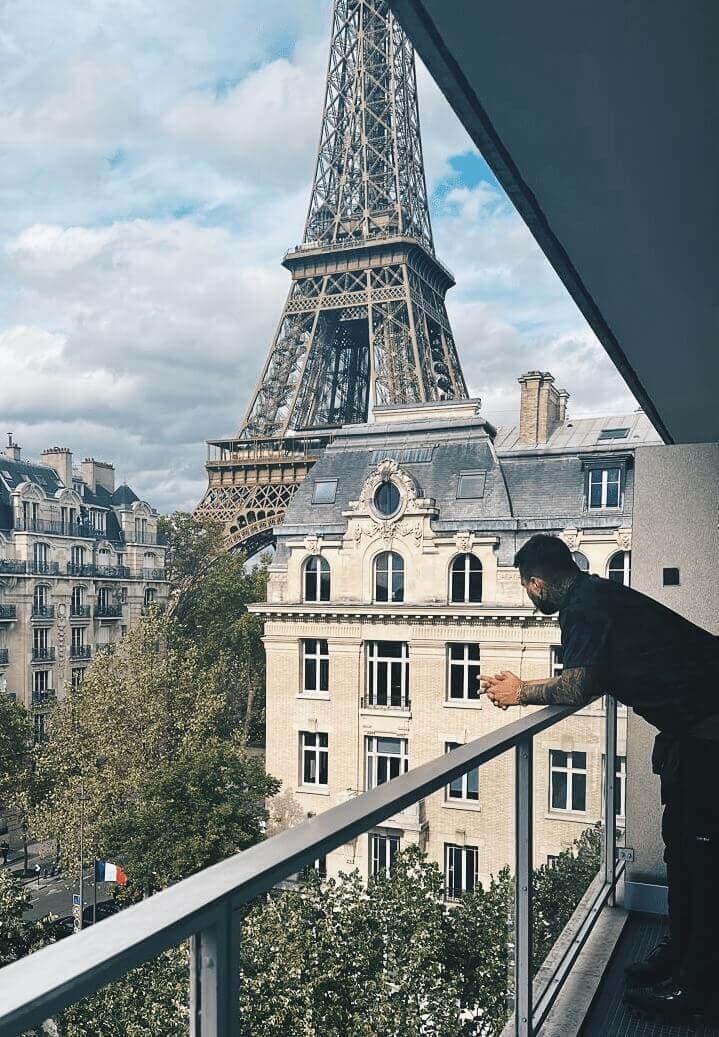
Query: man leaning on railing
667,669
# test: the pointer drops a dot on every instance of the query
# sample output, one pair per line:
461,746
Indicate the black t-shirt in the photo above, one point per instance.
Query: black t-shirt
647,656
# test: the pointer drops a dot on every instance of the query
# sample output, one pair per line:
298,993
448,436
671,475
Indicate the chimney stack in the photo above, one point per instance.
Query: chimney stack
542,409
59,458
12,450
98,473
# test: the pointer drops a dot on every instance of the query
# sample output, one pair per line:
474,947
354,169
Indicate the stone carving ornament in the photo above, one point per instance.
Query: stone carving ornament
572,538
624,539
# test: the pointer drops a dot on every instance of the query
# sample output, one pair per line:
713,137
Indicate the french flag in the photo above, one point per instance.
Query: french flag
105,871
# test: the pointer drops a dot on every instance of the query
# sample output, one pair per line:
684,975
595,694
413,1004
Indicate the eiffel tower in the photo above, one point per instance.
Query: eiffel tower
365,323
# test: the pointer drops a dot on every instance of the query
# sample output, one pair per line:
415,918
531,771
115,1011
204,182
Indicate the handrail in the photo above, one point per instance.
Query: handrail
202,906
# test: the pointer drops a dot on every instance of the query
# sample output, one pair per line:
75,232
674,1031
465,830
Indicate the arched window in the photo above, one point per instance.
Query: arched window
581,561
620,567
466,579
317,579
388,577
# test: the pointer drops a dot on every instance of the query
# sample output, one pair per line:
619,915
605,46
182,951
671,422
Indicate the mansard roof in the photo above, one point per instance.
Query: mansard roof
124,496
525,488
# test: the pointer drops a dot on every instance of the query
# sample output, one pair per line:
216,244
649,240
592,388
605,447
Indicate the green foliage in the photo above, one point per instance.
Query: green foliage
147,723
15,742
151,1001
196,810
18,937
558,889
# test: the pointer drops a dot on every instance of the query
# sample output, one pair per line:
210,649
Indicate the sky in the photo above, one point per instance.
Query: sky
156,158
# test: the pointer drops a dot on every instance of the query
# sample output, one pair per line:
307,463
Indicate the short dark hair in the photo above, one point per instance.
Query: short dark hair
546,557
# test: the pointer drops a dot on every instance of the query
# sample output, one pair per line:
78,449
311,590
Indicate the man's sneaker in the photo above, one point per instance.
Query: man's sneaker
660,965
670,1002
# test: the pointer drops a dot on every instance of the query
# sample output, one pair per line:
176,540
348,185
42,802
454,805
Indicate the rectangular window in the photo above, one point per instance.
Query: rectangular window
386,759
41,680
552,860
76,678
39,641
78,637
604,487
461,869
315,758
470,485
383,848
315,666
324,491
556,660
463,671
464,789
388,674
613,433
567,780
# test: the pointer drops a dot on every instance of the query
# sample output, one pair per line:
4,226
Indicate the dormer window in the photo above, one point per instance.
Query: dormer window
604,488
389,577
317,579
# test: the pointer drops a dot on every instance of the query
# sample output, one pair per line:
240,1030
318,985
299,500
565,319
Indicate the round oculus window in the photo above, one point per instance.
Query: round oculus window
387,499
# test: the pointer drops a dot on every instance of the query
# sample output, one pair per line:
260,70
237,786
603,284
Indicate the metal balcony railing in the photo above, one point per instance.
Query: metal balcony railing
55,527
8,612
79,612
80,651
45,697
118,572
43,655
45,568
207,905
4,656
12,565
43,612
108,611
384,702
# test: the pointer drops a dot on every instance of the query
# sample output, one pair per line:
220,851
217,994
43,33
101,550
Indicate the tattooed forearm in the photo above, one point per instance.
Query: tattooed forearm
570,688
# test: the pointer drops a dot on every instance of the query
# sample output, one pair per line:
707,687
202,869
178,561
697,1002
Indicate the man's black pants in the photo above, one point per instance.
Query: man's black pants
690,829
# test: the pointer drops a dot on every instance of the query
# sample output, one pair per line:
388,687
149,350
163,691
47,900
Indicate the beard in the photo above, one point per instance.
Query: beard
546,603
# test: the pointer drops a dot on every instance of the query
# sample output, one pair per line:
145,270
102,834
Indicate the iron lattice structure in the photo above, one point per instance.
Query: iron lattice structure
365,323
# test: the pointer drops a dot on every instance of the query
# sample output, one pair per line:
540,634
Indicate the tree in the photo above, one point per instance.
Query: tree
147,722
15,751
210,591
19,937
150,1001
196,810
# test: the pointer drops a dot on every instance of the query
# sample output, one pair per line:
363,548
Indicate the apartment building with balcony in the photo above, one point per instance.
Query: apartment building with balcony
393,585
80,559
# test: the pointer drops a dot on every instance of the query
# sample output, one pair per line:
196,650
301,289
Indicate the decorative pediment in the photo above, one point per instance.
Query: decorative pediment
624,538
313,544
464,541
386,471
572,538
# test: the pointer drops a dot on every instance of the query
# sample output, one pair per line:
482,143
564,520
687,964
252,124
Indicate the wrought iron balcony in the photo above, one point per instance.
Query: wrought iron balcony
12,565
4,656
8,613
45,568
80,651
108,611
45,697
43,612
402,702
207,906
43,655
151,574
56,527
117,572
79,612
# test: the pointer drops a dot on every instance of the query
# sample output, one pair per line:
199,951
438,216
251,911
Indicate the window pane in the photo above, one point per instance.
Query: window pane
325,584
456,651
473,689
473,784
595,489
472,652
457,584
613,488
579,791
391,649
310,674
397,585
324,757
559,759
381,585
391,746
381,688
559,790
323,739
475,586
324,491
579,760
456,682
309,769
324,675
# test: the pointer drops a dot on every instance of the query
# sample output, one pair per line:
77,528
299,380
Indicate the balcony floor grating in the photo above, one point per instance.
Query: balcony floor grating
608,1014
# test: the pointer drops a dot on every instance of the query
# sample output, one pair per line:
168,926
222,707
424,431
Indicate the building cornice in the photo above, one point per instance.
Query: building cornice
438,614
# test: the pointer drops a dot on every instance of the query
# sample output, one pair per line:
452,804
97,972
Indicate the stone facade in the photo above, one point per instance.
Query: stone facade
79,563
363,678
